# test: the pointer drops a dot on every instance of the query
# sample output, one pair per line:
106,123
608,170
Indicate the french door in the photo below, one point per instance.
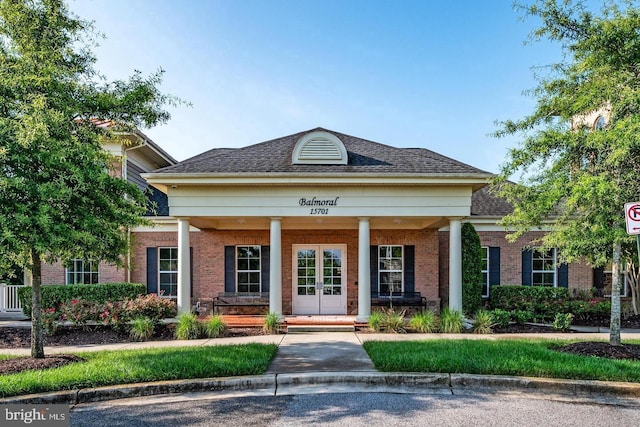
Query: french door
319,279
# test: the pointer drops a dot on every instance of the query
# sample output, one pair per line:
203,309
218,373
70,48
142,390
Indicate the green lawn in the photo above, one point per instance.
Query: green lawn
131,366
534,358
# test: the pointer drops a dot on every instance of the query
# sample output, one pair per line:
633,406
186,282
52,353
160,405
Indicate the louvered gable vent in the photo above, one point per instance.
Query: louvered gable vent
319,148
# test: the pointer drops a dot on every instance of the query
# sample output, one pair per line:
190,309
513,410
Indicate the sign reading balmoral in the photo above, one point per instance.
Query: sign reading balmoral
318,206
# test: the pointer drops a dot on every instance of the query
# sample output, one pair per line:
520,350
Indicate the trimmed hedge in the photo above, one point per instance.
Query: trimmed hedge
54,295
541,304
517,297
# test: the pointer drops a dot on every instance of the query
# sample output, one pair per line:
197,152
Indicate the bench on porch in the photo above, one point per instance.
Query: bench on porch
398,299
240,299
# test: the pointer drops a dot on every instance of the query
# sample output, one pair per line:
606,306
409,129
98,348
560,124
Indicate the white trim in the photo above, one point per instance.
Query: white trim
248,270
487,251
164,180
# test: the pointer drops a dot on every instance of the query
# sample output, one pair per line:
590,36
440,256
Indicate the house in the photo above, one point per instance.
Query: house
135,154
319,221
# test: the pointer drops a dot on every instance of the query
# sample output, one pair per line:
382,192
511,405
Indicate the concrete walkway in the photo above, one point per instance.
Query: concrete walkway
320,352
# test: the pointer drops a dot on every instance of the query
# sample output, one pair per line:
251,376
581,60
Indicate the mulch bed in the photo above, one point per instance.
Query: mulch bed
19,364
603,349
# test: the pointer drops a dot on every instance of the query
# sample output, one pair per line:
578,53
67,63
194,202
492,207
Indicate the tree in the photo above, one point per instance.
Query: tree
58,200
471,270
577,173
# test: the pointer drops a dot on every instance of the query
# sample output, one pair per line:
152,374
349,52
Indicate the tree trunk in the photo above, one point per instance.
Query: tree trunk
614,327
37,345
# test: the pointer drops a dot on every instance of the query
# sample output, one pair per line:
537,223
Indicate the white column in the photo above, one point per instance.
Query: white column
364,271
455,264
184,267
275,268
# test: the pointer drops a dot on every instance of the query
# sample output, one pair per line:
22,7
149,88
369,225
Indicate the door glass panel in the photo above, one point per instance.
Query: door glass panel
332,271
307,272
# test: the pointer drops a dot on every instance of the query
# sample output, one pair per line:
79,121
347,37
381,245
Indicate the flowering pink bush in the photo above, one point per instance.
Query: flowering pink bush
151,306
79,312
116,314
50,318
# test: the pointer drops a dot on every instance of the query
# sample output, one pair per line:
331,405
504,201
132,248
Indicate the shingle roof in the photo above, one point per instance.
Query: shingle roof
366,157
485,203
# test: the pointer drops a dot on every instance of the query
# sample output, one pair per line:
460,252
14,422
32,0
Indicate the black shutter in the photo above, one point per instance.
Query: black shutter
229,268
152,270
563,276
409,268
527,267
265,264
598,278
373,257
494,266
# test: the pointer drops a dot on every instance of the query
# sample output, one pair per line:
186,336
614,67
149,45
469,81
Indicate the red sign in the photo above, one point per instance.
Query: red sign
632,215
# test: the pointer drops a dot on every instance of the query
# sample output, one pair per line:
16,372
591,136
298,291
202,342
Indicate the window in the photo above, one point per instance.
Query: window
600,123
81,272
168,272
390,269
248,269
544,268
607,281
485,272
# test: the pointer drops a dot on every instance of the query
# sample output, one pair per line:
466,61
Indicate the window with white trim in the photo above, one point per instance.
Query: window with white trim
607,281
390,269
80,272
168,272
248,269
543,268
485,271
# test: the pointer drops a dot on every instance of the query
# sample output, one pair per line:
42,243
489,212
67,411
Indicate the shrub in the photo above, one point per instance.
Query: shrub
451,321
562,321
516,297
521,316
188,327
214,327
271,323
471,269
395,321
141,328
376,319
112,314
502,318
79,312
150,305
424,322
50,319
55,295
483,323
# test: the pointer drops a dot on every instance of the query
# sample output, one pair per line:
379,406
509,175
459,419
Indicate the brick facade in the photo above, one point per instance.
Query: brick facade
208,257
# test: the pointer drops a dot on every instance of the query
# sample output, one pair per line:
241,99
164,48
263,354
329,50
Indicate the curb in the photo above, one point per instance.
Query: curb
618,393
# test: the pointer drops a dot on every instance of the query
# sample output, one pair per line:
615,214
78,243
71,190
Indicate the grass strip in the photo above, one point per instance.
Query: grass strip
132,366
532,358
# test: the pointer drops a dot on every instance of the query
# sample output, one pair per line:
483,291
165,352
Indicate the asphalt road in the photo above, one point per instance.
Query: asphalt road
352,409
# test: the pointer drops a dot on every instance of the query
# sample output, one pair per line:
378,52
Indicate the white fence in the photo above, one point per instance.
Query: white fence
9,298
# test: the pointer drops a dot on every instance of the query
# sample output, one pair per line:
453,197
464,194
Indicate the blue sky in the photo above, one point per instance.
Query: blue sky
430,74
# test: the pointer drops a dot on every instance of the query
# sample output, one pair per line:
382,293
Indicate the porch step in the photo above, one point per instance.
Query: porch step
292,329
